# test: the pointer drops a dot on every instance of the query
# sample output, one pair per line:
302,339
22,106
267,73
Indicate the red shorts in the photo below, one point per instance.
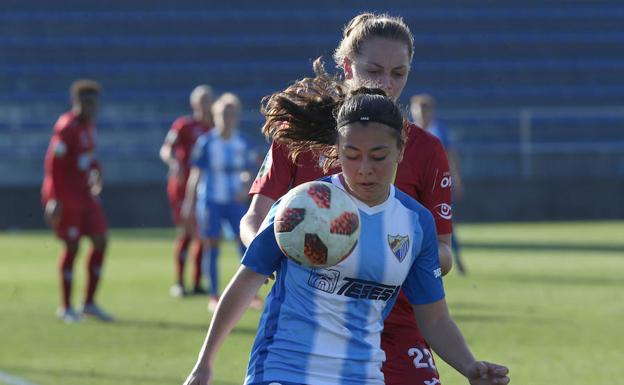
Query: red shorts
84,219
409,359
176,191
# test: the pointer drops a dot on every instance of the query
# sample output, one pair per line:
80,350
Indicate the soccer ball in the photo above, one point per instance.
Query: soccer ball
317,224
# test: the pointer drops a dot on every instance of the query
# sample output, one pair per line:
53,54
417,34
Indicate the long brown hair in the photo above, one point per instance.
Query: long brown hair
308,115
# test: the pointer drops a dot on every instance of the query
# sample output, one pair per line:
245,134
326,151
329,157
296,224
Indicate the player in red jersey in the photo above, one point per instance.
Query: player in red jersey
70,190
176,153
376,49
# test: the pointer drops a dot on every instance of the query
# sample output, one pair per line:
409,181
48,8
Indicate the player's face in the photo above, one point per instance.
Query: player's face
85,105
383,63
204,104
369,156
230,116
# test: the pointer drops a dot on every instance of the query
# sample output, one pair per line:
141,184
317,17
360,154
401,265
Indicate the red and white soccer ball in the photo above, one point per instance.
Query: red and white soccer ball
317,224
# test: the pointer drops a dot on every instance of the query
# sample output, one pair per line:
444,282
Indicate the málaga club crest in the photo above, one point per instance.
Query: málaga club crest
399,244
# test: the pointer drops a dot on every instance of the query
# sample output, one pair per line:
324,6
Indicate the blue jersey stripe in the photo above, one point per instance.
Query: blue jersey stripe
232,162
267,328
371,240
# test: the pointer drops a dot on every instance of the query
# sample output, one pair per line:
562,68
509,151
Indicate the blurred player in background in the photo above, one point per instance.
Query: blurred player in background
71,186
217,186
176,153
377,50
422,108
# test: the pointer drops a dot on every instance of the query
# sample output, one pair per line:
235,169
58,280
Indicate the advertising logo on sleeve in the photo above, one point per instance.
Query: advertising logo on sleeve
60,149
444,211
446,181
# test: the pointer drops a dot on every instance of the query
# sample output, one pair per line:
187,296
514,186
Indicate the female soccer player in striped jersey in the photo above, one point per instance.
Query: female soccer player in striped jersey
220,165
312,332
376,49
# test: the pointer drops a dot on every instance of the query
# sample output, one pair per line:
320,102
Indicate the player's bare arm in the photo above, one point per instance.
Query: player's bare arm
166,150
443,335
458,184
96,183
445,252
235,300
190,198
52,212
251,221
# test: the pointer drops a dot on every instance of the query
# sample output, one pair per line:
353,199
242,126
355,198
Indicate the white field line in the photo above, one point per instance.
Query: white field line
13,380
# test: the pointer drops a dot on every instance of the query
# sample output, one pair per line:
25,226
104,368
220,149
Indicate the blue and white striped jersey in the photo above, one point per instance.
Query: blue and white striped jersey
221,162
323,326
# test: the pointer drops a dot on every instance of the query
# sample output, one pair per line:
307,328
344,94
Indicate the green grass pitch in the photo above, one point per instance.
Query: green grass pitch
546,299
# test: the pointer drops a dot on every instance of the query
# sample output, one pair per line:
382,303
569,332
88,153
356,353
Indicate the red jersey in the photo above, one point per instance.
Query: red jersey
423,174
183,133
68,162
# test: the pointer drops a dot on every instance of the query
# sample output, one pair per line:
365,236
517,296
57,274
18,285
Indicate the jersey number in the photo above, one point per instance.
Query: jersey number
419,355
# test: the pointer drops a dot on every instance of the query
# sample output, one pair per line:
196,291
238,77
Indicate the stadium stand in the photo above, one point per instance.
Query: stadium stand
509,76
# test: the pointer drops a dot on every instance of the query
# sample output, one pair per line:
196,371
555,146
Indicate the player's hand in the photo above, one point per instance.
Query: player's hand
52,212
487,373
95,182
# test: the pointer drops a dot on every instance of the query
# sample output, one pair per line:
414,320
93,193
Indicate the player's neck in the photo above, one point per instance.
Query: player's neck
226,133
82,117
204,118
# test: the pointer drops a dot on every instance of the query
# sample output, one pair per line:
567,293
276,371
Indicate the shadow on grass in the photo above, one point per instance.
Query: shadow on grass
516,246
55,375
172,325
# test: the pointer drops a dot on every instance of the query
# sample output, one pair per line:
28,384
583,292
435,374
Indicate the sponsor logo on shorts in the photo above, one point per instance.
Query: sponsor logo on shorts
444,211
446,181
437,273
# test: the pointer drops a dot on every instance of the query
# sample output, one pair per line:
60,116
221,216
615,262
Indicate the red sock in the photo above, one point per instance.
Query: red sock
94,267
181,248
199,251
66,267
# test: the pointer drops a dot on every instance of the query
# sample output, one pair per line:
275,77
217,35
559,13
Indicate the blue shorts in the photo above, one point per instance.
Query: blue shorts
210,215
